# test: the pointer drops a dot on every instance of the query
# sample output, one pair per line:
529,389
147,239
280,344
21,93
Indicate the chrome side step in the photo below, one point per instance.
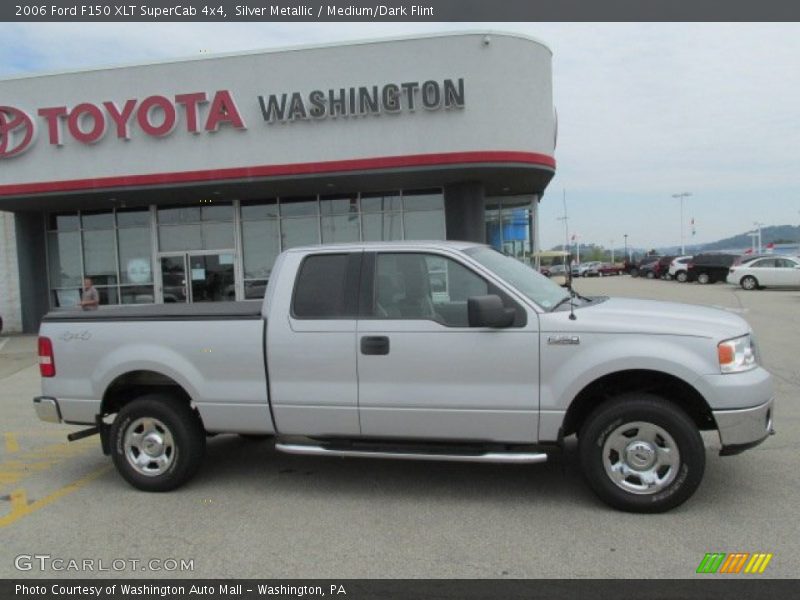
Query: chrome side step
487,457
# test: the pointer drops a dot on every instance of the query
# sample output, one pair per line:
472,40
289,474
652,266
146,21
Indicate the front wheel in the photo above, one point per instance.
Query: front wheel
703,278
749,283
650,275
157,442
639,453
681,276
634,272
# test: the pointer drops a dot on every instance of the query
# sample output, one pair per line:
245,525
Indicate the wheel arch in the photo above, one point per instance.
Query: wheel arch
673,389
133,384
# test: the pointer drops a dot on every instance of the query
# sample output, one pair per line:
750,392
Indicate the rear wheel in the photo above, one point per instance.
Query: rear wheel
650,275
749,283
634,272
681,276
640,453
703,278
157,442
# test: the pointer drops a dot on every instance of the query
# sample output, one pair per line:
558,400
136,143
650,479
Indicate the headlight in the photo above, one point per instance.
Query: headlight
737,355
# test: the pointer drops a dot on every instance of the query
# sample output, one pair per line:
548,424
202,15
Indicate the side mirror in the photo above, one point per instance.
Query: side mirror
488,311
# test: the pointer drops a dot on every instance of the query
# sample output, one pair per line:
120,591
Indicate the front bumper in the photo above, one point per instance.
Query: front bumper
47,409
744,428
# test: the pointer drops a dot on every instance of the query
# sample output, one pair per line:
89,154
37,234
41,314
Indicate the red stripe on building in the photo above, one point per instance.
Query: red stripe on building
315,168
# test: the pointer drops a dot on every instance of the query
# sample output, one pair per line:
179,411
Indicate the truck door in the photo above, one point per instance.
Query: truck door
311,348
424,373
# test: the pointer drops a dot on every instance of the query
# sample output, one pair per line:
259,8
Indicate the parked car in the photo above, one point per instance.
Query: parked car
710,267
679,267
584,269
606,269
774,271
662,268
326,370
633,267
647,270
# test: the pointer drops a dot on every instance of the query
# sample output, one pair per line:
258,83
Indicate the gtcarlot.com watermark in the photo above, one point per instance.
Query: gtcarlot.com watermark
48,562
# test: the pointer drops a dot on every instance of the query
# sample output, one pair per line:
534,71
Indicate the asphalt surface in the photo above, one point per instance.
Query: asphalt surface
254,513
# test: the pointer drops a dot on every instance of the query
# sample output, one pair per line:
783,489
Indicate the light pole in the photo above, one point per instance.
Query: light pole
612,252
682,195
758,230
753,235
626,247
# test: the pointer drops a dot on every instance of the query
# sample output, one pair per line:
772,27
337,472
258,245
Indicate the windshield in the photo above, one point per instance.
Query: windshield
535,286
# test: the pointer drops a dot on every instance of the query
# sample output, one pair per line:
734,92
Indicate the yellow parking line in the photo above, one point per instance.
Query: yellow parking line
11,443
19,503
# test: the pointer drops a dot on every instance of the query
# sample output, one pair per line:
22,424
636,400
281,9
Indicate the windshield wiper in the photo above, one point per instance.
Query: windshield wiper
560,302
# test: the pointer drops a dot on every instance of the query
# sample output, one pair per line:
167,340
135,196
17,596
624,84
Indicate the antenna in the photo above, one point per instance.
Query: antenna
568,266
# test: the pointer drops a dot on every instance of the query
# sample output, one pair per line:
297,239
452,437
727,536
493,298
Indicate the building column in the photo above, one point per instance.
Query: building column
9,276
465,212
32,264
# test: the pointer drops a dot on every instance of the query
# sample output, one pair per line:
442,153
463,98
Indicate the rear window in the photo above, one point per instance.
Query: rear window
327,287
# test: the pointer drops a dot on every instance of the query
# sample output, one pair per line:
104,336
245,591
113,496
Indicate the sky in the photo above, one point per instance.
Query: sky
645,111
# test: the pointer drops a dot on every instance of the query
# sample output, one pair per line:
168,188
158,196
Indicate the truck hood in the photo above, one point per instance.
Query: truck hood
629,315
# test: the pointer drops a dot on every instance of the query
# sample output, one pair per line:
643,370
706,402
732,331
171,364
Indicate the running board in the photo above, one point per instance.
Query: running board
488,457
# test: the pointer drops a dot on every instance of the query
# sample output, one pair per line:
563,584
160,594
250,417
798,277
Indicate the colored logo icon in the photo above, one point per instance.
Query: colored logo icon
16,131
734,563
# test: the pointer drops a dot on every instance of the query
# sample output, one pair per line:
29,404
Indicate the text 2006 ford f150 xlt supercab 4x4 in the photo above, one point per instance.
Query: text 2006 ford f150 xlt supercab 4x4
414,350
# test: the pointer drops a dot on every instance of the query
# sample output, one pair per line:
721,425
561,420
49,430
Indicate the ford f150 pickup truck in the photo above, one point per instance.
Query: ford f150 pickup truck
414,350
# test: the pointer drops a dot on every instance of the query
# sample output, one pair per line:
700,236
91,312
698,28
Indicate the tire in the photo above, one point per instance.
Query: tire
749,283
665,431
634,272
703,278
682,276
650,275
168,428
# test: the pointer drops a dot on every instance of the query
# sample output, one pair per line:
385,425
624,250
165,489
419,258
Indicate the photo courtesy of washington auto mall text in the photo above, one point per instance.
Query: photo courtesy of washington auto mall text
449,299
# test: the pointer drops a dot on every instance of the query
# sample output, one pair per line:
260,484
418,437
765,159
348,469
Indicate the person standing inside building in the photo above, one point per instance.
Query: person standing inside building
90,298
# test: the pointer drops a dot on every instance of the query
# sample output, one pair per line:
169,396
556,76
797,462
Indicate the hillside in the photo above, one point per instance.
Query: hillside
775,234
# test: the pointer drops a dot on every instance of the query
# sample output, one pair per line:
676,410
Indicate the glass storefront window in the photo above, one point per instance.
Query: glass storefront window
382,227
261,246
99,256
136,294
339,205
380,202
342,228
64,222
188,214
196,236
428,225
135,260
299,231
104,220
261,210
133,218
295,207
64,259
430,200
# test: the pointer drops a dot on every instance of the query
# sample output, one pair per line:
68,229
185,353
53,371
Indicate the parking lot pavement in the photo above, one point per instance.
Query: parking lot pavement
254,513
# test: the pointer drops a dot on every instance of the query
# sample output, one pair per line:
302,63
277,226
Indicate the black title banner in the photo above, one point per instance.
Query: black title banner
705,588
397,10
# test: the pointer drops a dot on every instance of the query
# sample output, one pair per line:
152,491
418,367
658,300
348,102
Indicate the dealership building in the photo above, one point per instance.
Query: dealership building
182,181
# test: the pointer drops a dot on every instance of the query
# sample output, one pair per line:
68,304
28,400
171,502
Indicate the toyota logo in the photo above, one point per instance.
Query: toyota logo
17,131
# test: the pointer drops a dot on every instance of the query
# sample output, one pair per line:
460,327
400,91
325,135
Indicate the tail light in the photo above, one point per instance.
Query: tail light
47,361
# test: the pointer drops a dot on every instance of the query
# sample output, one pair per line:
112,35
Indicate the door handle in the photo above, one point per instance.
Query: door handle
377,345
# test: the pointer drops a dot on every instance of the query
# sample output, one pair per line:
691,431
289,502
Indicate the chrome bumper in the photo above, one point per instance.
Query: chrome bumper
47,409
744,428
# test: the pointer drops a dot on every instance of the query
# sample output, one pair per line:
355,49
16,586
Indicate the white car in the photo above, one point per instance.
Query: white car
679,268
774,271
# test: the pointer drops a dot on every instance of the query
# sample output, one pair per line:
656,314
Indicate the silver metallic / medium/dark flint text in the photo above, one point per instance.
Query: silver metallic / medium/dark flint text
47,562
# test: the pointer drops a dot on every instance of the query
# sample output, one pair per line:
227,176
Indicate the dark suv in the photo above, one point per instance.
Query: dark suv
710,268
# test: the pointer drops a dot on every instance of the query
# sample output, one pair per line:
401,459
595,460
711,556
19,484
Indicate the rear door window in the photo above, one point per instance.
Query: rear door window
327,287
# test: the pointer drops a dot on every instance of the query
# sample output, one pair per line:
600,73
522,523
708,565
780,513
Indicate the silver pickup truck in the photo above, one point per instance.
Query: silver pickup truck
414,350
